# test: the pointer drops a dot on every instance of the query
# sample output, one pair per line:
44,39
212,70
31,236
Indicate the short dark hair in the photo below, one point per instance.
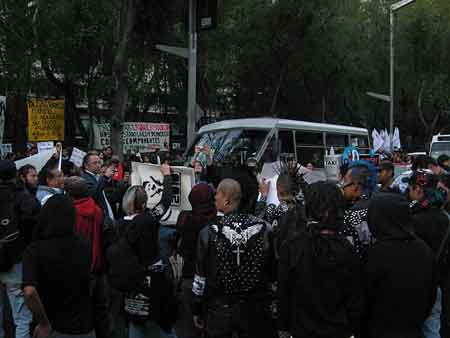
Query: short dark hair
431,161
24,170
88,156
443,158
76,187
387,165
420,162
47,173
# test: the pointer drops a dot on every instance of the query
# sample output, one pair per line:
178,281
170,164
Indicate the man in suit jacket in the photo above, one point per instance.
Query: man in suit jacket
92,165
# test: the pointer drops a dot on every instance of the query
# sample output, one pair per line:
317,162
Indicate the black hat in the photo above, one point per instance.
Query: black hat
8,170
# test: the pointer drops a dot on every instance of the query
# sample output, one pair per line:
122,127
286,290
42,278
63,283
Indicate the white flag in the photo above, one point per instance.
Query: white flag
378,141
396,140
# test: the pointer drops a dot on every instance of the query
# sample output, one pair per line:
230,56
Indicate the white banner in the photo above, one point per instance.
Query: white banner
141,137
2,116
38,161
44,146
77,157
150,177
102,135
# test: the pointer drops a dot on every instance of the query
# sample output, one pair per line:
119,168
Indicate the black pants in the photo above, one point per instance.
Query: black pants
240,318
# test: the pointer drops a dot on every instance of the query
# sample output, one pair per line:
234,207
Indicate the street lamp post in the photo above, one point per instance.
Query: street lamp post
394,7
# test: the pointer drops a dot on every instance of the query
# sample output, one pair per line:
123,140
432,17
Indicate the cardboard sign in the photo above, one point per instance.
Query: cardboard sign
149,176
44,146
45,120
102,135
140,137
77,157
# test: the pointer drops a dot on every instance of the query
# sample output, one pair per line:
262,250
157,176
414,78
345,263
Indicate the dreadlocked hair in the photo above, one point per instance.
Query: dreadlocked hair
323,203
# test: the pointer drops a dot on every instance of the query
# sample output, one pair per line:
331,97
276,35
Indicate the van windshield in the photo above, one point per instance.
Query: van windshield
227,146
440,148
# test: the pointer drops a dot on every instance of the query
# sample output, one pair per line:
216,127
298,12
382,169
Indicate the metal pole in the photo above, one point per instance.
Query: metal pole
391,103
192,76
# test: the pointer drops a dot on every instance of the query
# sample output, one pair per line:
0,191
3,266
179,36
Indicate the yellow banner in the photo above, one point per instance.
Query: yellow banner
45,120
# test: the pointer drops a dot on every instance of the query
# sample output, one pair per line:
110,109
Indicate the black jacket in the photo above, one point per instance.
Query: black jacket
206,286
320,286
400,273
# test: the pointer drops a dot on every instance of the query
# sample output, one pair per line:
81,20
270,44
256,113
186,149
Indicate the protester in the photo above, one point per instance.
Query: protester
89,218
320,279
444,162
434,166
386,176
431,225
96,183
51,182
56,275
18,213
139,229
399,272
233,269
29,177
358,185
189,225
288,217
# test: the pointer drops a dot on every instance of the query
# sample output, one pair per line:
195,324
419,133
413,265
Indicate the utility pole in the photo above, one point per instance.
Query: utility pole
192,73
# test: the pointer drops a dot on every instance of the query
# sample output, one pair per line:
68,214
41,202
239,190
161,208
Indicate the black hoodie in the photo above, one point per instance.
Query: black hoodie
58,266
320,285
400,272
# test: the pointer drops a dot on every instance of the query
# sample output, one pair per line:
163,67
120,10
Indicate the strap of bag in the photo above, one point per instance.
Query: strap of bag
444,240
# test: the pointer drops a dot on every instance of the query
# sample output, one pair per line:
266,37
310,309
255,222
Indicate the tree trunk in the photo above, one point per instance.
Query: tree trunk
120,73
273,107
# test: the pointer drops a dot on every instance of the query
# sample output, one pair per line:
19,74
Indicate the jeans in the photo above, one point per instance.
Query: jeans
432,325
20,312
250,318
147,330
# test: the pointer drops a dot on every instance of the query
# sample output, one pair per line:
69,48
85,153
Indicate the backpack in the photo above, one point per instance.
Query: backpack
125,272
10,239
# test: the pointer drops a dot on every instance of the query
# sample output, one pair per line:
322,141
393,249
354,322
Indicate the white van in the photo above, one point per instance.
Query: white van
270,139
440,144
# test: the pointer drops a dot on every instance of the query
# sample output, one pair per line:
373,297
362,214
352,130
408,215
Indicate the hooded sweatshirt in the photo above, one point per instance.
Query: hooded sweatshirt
320,285
190,223
89,223
58,266
400,282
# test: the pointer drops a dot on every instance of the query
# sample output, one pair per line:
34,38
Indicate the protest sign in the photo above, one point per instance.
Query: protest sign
149,176
2,116
44,146
45,120
145,137
77,157
5,149
102,135
38,161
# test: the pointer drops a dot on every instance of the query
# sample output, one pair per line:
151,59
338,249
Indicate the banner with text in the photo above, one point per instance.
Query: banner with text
145,137
45,120
102,135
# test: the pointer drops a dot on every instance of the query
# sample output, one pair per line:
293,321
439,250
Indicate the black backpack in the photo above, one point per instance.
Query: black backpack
10,239
125,271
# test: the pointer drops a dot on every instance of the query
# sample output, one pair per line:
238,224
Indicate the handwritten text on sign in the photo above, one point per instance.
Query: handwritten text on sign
45,120
145,137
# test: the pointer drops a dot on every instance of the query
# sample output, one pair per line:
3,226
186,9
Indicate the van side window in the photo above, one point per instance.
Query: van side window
286,142
337,141
310,148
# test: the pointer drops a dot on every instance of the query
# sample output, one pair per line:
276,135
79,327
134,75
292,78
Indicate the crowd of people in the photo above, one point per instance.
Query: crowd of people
82,255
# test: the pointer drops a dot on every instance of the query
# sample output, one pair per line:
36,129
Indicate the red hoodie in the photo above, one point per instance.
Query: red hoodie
89,225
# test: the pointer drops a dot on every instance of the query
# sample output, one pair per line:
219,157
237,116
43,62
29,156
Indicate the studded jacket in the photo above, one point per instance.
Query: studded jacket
235,258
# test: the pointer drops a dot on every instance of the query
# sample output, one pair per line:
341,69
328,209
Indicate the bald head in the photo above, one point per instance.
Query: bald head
228,196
